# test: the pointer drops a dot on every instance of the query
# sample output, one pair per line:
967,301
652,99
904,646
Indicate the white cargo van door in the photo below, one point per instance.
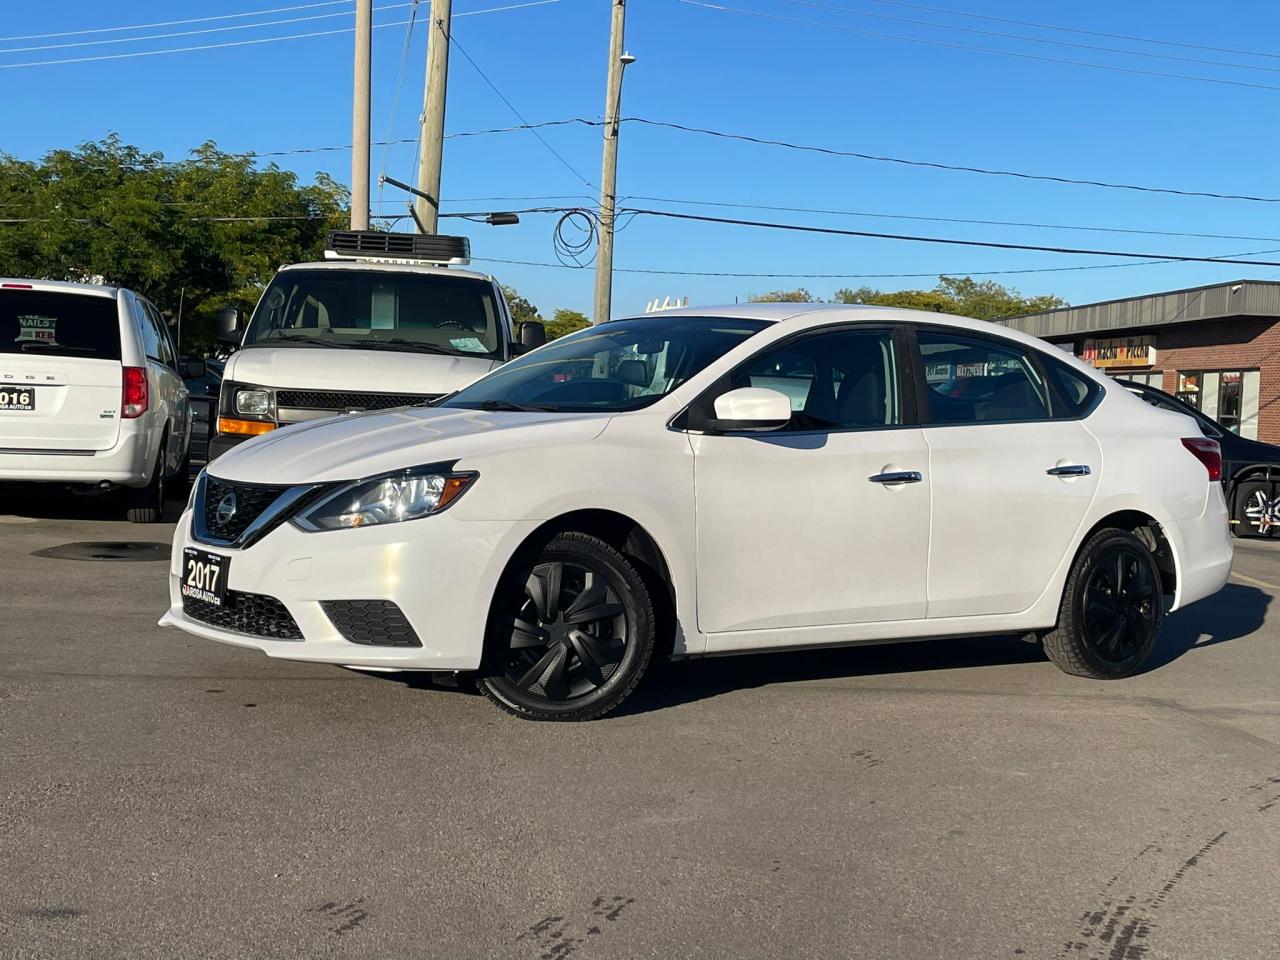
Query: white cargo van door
60,369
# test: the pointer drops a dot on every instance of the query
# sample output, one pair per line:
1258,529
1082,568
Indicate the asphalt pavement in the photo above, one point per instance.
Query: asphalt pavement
163,796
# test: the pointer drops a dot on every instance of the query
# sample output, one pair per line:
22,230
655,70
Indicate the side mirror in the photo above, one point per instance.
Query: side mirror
193,368
227,329
532,334
751,408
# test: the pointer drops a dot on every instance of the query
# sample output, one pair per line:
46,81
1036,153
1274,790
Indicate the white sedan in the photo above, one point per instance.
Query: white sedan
708,481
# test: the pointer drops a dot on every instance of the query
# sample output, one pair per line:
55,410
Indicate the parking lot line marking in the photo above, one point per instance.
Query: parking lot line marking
1256,583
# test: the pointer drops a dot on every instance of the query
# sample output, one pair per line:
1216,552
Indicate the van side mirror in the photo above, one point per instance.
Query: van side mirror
532,334
756,409
228,330
193,368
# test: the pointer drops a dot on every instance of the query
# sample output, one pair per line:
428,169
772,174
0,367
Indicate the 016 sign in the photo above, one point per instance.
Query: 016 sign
1122,352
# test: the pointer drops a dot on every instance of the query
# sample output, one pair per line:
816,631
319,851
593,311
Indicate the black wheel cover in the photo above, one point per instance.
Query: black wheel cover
1120,604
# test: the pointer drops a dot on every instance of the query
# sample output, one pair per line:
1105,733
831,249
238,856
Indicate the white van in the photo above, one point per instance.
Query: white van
387,320
91,393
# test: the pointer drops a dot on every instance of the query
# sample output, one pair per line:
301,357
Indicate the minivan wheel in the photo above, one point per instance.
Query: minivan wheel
572,633
1111,610
146,504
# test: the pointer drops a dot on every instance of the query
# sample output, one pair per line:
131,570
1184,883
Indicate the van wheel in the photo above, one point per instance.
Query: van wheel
1111,611
572,633
146,504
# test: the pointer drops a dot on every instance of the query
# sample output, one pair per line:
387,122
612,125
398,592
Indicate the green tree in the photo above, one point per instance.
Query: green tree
210,229
800,295
521,309
963,296
565,321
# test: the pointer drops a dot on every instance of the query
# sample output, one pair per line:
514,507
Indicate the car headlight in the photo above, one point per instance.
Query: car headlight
405,495
253,403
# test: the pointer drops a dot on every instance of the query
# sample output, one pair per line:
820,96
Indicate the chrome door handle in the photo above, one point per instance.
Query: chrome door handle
1070,470
897,477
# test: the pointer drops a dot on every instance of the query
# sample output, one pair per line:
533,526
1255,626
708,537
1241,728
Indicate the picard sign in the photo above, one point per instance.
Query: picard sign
1122,352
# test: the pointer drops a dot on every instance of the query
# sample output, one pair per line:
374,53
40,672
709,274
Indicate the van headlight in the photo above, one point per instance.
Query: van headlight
253,403
404,495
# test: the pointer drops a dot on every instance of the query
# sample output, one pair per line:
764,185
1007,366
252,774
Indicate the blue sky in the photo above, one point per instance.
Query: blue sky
742,74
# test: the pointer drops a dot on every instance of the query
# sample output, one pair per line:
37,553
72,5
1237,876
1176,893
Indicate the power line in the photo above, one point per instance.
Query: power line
1089,33
963,46
453,41
175,23
991,223
992,244
937,165
261,40
193,33
1030,39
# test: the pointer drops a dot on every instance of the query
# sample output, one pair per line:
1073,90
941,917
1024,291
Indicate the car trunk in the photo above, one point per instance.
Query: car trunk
60,371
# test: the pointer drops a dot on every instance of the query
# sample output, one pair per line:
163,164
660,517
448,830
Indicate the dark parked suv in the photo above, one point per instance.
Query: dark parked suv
1250,470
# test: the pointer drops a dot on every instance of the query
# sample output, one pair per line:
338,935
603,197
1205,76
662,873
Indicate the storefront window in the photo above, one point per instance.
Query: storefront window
1229,396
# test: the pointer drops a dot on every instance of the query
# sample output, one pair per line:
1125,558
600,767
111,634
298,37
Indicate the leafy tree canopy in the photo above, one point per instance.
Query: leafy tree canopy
521,309
565,321
963,296
800,295
109,210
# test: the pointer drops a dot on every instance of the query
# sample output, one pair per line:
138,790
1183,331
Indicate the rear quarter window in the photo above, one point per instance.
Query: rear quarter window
59,324
1074,392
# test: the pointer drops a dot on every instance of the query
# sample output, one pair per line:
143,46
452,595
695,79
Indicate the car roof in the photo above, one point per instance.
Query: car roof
60,286
369,265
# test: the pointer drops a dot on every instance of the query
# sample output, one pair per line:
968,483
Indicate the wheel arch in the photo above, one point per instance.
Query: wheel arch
626,535
1151,532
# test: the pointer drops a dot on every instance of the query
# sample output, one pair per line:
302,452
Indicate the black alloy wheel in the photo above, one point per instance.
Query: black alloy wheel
574,638
1111,610
1120,603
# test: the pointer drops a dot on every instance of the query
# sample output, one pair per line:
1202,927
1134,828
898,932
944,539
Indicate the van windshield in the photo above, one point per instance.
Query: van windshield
379,309
621,365
59,324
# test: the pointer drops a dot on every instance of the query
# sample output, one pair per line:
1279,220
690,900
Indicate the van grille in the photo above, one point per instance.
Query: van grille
342,401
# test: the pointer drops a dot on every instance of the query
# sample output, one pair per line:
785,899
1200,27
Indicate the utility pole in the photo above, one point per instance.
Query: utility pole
360,116
431,144
609,168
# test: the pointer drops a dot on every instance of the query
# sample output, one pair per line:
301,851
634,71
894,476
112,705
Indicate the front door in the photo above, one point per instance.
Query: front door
807,526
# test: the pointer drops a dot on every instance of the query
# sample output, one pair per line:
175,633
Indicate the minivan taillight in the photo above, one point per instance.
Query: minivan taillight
134,399
1207,452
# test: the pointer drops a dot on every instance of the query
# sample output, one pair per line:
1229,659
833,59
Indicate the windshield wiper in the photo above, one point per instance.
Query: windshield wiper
508,405
44,345
278,341
399,343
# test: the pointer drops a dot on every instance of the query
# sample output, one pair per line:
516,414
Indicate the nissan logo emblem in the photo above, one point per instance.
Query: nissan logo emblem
226,508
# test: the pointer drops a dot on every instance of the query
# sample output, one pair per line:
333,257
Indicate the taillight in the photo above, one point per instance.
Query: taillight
134,399
1207,452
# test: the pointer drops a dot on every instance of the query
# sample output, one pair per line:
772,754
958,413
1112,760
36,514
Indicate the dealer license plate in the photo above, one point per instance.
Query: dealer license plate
17,398
204,576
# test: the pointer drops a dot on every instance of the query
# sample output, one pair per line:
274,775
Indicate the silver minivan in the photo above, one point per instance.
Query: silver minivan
91,392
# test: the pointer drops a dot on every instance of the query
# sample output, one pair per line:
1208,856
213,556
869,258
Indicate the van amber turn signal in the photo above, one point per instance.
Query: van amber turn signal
248,428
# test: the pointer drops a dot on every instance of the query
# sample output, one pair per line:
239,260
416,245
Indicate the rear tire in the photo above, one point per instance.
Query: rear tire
1112,608
1257,509
572,633
146,504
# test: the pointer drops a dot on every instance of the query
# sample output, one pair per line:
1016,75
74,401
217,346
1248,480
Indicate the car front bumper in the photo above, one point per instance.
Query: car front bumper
440,571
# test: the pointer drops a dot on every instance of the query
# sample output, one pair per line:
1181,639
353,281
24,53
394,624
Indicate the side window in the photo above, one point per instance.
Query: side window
147,328
972,379
1075,391
167,355
840,380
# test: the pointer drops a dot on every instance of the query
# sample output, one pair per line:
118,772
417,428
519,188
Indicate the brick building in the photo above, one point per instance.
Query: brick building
1216,347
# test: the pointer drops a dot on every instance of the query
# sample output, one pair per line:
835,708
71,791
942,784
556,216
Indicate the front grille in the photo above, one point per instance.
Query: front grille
336,400
374,623
250,501
254,614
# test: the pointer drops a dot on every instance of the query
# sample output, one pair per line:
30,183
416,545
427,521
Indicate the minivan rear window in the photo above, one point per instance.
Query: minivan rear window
59,324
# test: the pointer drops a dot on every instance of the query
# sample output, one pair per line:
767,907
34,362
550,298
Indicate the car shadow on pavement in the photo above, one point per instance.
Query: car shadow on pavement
1233,612
58,504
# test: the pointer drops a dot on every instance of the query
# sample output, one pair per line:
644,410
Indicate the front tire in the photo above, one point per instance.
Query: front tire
572,633
1111,611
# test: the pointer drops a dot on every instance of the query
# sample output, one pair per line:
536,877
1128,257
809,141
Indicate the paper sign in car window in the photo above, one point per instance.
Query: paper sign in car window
470,344
41,329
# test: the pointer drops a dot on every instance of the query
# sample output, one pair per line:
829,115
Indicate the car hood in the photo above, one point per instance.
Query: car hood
367,444
346,369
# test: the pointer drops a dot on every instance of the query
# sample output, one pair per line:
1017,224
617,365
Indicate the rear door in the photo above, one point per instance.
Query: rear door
60,379
1013,470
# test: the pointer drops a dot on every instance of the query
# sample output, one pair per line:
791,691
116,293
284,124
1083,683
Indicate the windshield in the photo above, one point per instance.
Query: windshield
379,309
624,365
59,324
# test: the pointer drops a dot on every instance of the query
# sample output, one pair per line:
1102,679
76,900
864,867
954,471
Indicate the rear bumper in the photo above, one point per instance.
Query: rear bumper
128,463
1202,548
